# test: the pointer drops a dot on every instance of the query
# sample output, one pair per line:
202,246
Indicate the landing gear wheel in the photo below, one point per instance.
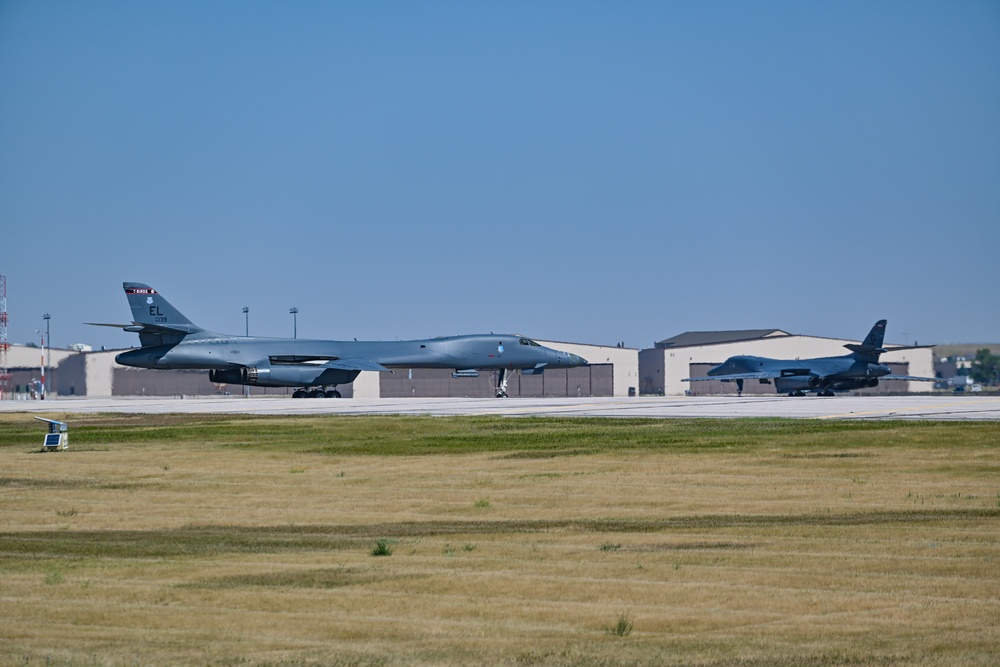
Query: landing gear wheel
333,393
316,393
298,393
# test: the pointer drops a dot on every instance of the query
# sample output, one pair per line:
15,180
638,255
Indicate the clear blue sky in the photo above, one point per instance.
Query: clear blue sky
586,171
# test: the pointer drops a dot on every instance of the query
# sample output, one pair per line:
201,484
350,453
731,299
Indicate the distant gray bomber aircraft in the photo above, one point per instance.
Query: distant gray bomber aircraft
824,375
315,367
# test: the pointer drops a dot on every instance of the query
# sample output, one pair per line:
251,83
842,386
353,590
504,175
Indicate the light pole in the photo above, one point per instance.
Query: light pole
295,321
48,346
246,318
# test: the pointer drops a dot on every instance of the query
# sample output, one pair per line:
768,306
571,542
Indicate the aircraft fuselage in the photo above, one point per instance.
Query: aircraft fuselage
477,351
839,373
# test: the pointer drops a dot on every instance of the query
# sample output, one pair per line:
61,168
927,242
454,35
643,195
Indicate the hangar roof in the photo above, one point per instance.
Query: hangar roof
693,338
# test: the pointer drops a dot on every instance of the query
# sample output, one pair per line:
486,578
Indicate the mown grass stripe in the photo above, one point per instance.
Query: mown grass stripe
199,541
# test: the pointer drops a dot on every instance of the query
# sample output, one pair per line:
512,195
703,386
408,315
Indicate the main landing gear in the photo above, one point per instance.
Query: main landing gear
316,393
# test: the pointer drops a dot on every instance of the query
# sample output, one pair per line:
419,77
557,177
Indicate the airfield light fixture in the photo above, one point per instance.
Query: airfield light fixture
295,321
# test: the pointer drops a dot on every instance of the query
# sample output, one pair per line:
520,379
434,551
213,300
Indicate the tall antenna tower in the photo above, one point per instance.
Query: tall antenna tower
4,369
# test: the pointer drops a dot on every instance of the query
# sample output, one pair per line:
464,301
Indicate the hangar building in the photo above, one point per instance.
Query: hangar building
25,365
692,354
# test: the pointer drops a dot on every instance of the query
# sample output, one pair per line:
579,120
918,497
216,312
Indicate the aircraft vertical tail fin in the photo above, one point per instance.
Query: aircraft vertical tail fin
155,320
875,336
871,347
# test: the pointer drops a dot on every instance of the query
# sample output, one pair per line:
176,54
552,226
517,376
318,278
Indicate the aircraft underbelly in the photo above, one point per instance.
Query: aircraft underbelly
794,383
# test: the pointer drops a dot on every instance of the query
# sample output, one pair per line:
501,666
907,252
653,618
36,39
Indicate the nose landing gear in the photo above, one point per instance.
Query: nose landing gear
502,383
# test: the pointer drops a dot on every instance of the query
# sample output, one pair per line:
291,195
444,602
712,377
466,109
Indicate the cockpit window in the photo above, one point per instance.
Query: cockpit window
528,341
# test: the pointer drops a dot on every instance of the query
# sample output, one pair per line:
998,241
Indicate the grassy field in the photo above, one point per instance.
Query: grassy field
196,540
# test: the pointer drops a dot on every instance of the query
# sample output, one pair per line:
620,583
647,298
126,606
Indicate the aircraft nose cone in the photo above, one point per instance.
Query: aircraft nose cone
577,360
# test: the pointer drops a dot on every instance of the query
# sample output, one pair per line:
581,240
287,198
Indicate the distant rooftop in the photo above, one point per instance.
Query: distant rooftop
694,338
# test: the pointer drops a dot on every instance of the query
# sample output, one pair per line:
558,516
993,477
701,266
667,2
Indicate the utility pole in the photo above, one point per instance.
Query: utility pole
4,369
48,355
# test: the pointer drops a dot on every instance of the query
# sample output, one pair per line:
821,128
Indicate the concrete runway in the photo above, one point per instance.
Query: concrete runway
935,407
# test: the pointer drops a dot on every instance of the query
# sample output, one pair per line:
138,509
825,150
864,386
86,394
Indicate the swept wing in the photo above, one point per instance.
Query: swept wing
355,364
756,375
760,375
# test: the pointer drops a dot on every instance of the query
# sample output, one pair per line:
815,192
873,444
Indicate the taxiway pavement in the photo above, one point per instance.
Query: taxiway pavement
916,406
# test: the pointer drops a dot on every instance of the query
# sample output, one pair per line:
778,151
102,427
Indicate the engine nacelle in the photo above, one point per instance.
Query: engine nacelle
283,375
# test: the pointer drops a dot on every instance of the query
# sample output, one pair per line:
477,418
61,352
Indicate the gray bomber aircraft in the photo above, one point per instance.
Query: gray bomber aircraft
315,367
823,375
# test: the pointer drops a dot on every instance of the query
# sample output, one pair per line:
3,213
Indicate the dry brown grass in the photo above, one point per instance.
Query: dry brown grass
171,553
